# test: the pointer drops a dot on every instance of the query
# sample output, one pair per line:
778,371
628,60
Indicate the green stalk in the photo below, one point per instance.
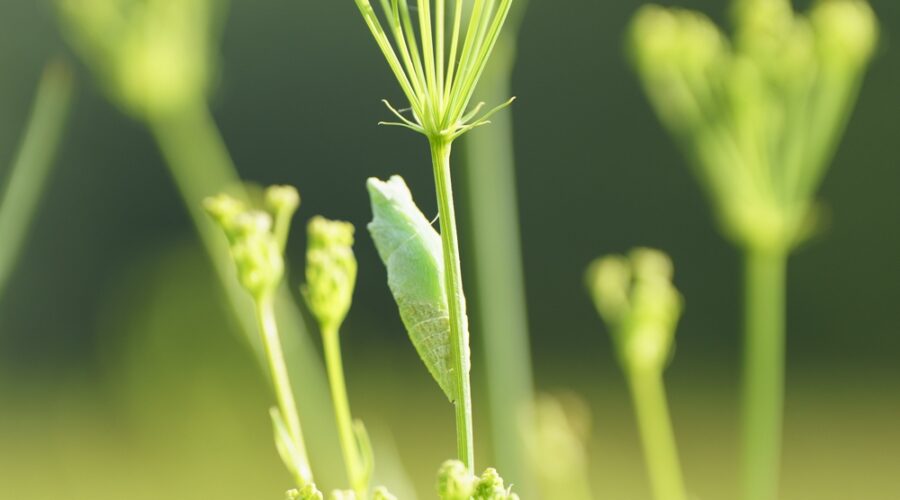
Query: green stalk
201,167
352,460
459,331
496,243
657,435
763,372
31,167
281,382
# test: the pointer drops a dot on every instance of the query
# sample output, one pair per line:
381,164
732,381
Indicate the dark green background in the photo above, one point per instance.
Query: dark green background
297,101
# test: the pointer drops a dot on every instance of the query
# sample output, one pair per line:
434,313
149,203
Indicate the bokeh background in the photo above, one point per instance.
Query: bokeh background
121,376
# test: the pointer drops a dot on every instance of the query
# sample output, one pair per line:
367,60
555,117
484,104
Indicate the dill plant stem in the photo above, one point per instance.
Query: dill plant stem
281,382
31,168
657,436
459,334
763,372
331,343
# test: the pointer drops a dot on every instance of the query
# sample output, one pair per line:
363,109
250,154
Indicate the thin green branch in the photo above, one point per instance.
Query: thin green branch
284,394
657,436
350,447
31,168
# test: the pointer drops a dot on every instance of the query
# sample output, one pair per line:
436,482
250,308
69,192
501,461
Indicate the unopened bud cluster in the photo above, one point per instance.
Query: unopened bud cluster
256,246
308,492
635,297
455,482
330,271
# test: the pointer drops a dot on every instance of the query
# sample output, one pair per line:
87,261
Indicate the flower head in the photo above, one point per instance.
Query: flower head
438,56
760,114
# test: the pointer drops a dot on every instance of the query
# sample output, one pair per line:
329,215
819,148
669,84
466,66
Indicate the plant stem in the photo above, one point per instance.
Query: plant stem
763,372
657,435
352,461
31,167
201,166
490,182
459,329
281,382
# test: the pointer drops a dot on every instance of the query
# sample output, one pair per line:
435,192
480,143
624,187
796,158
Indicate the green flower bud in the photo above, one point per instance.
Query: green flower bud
282,199
847,32
255,248
308,492
636,298
490,487
282,202
454,481
330,271
680,55
223,209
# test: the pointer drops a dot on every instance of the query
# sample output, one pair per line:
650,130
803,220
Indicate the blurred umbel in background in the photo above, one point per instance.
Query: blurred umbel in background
122,376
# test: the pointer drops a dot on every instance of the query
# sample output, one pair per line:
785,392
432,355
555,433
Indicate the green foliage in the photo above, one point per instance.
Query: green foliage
636,299
760,115
411,250
330,271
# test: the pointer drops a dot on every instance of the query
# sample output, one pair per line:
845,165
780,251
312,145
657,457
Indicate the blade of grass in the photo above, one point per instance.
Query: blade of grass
31,168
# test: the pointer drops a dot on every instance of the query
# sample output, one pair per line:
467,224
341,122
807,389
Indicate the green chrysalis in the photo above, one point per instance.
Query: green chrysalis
411,250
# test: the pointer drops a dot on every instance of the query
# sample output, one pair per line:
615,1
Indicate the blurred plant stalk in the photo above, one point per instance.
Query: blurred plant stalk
761,116
33,162
635,297
154,59
495,240
562,431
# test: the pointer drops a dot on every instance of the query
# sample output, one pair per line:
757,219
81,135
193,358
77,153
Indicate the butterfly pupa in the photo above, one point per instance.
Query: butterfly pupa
411,250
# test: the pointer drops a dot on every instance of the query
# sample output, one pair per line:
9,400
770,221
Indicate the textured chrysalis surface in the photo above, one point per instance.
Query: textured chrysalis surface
411,249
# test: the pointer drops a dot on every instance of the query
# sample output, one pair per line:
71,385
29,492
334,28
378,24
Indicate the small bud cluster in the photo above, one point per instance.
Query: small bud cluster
330,271
256,246
308,492
635,297
456,483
